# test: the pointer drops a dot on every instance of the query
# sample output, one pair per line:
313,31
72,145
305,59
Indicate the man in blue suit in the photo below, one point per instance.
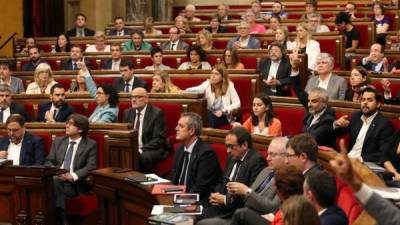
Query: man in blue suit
21,146
57,110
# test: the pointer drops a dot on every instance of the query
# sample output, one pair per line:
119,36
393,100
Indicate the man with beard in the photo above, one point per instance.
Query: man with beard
34,59
75,56
370,132
7,107
56,110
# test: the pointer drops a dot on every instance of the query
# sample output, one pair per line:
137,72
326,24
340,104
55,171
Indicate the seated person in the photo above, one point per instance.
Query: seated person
29,43
255,28
183,25
150,123
78,85
149,29
359,80
20,146
275,71
116,56
63,44
281,37
162,83
389,99
14,83
190,11
198,59
256,8
311,7
277,10
76,55
8,107
106,98
136,43
274,25
222,12
314,24
262,120
376,60
99,43
80,30
174,43
43,80
157,58
77,155
57,110
119,27
215,25
381,22
351,33
128,81
244,40
231,59
205,40
351,9
34,59
221,95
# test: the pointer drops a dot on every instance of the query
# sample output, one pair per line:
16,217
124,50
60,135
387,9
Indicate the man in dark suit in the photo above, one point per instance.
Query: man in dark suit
302,152
119,27
215,25
57,110
261,197
149,121
370,132
76,55
275,71
195,163
376,60
127,82
319,116
243,166
14,83
7,107
77,155
174,43
21,146
80,30
320,190
34,59
116,56
222,12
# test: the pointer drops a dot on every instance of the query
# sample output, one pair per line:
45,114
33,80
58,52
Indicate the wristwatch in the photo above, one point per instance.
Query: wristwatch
248,191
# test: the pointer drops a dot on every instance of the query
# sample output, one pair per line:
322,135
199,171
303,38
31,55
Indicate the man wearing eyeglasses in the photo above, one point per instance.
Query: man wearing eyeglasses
243,166
128,81
149,121
244,40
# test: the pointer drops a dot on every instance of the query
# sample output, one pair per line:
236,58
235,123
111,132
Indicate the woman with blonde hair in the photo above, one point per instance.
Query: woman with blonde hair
204,39
182,24
99,43
304,44
149,29
162,83
43,80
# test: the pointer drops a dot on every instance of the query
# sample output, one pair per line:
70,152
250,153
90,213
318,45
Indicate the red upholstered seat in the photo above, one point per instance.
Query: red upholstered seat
29,109
291,119
79,107
249,62
81,205
329,46
363,28
165,167
221,152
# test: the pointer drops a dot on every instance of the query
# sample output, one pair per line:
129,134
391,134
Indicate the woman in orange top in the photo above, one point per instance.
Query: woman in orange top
263,121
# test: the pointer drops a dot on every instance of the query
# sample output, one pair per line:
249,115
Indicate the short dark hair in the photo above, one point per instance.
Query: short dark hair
279,2
323,187
216,16
242,136
57,85
155,50
139,32
127,63
118,18
80,14
32,47
6,63
288,180
314,3
113,98
382,47
381,5
199,50
280,46
378,95
116,44
304,143
76,46
81,122
277,17
269,114
342,17
17,118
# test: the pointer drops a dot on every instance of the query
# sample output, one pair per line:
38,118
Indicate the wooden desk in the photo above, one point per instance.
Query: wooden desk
122,202
26,195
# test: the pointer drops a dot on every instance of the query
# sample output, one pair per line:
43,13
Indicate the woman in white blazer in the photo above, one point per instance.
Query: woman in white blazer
303,41
222,98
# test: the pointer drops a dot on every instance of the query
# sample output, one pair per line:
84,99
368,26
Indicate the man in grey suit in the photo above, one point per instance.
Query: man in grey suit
382,210
244,40
14,83
174,43
335,85
77,155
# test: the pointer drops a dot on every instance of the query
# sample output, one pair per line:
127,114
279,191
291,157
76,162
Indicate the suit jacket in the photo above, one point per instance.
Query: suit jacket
337,86
267,201
203,170
107,65
283,75
181,45
221,29
333,215
322,130
369,66
113,32
119,84
16,85
72,32
85,158
253,43
67,64
153,128
382,210
32,151
19,109
62,115
29,66
377,140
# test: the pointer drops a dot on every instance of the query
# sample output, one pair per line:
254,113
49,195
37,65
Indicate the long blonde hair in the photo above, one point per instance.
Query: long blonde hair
207,35
43,68
305,27
169,87
225,79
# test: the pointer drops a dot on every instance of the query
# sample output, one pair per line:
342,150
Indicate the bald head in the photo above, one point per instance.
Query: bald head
139,98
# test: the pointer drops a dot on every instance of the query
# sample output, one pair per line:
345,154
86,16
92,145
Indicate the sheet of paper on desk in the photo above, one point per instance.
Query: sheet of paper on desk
158,209
157,179
387,192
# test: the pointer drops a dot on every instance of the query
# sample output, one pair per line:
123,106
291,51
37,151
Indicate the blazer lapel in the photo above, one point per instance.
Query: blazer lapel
79,151
63,150
371,128
26,142
146,118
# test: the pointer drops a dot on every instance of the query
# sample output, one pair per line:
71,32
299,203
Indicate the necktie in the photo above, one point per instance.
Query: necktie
54,114
74,66
309,121
126,86
80,33
264,183
238,162
172,46
137,125
68,156
119,33
1,115
182,177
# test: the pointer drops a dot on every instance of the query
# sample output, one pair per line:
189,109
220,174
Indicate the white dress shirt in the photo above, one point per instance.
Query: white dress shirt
6,114
14,151
71,170
357,147
140,129
273,70
316,117
115,64
189,149
324,83
175,45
